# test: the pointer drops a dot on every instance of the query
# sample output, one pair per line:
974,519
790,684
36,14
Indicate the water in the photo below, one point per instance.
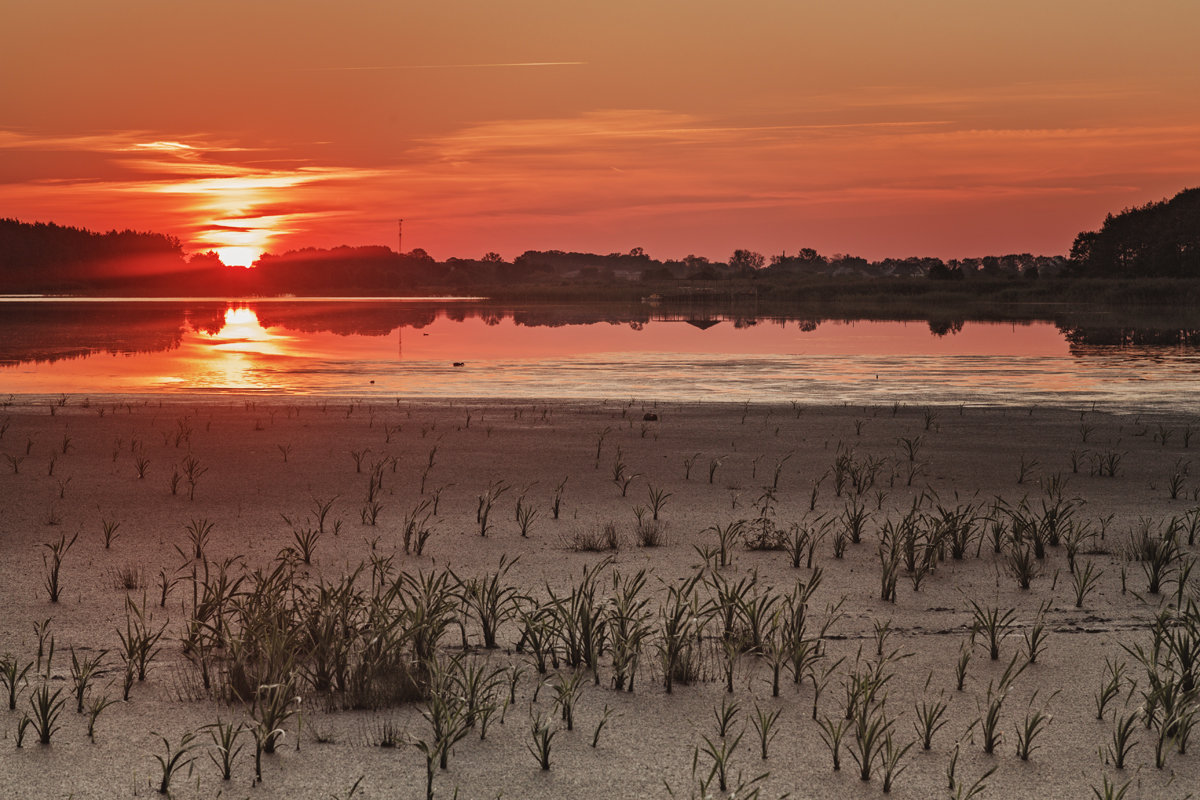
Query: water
409,349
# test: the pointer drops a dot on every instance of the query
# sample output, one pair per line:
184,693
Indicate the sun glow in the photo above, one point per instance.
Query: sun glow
238,237
228,210
236,357
242,327
239,242
238,256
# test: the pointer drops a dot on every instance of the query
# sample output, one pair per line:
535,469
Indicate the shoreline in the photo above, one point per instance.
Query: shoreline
218,398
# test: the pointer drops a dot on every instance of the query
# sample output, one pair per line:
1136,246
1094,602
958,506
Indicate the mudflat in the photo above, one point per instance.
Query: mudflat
326,576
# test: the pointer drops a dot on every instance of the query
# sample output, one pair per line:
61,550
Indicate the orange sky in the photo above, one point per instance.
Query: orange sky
879,128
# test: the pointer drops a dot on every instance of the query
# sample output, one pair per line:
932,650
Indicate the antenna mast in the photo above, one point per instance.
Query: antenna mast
400,237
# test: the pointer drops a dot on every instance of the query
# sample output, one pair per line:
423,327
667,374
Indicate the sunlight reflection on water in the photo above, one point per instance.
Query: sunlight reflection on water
861,362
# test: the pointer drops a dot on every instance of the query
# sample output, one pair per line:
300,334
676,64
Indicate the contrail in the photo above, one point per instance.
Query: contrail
448,66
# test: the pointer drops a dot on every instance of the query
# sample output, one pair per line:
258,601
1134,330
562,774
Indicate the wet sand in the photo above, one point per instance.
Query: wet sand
263,465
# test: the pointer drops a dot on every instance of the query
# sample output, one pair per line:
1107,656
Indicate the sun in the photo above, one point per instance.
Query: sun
240,246
238,256
230,224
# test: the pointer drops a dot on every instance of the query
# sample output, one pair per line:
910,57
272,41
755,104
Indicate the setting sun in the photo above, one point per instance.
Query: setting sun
238,256
229,222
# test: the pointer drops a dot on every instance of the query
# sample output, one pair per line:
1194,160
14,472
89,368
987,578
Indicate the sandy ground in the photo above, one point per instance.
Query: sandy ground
67,468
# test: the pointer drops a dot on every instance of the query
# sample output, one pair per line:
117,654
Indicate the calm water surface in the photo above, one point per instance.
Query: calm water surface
409,349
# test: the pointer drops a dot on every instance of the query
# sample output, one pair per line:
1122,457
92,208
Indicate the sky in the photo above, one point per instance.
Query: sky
871,127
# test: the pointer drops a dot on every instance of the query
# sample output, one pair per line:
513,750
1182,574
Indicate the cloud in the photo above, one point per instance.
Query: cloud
983,96
114,142
603,172
401,67
219,199
635,159
606,175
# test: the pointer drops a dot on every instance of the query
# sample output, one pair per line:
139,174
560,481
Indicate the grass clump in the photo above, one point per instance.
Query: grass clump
994,624
109,530
83,672
129,577
58,551
225,736
175,760
45,708
596,540
13,677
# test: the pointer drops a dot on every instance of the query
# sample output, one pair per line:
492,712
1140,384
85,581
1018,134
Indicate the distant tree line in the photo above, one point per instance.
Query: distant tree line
366,270
44,257
1157,240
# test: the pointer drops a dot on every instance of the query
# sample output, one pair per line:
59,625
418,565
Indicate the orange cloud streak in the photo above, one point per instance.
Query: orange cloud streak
613,178
212,200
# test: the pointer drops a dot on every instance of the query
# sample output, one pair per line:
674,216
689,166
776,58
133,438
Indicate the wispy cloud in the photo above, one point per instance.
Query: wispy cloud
219,200
402,67
608,172
644,154
621,170
1023,93
116,142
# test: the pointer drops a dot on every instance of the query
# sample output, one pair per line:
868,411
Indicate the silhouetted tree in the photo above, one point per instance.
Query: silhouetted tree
1155,240
746,261
206,260
938,271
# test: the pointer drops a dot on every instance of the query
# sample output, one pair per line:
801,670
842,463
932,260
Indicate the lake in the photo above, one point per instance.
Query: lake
410,348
